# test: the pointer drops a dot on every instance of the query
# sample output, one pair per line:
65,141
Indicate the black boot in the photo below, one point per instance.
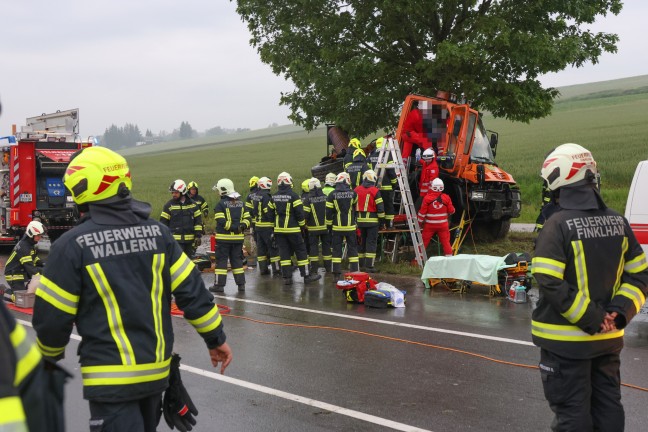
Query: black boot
217,288
312,277
241,288
288,281
265,270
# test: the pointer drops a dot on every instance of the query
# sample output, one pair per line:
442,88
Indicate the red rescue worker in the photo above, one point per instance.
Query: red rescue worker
413,133
433,216
429,172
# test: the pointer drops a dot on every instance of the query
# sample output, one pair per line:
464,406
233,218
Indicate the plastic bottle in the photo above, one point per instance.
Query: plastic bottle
512,290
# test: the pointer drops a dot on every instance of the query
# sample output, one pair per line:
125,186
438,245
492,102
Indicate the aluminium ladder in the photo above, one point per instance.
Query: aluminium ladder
390,148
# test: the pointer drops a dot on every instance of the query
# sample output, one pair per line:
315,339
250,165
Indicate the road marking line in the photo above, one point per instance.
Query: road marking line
289,396
397,324
304,400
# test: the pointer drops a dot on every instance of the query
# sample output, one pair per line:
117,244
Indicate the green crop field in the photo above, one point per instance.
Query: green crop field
609,119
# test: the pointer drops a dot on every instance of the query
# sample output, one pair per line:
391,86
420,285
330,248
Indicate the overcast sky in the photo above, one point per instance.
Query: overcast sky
156,63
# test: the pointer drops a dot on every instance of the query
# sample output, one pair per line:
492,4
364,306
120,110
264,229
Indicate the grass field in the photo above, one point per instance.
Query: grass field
608,118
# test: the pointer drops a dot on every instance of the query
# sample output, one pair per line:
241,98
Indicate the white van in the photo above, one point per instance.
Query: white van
637,205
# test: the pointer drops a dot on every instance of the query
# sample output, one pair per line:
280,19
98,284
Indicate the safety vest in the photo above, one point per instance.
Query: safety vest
435,209
586,262
369,207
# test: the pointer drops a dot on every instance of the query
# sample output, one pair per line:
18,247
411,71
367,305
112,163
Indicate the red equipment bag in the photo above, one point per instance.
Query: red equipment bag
354,286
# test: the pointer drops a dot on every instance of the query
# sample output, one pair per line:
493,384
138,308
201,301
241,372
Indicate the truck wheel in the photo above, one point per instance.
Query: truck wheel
338,138
492,230
328,165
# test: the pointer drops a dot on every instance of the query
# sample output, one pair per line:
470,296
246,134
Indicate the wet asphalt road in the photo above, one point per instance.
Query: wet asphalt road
379,369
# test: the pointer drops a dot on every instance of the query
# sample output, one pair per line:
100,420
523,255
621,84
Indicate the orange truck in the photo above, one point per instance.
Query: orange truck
31,175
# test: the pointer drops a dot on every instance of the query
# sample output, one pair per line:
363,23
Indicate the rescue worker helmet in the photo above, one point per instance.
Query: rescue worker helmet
34,228
370,175
379,142
355,143
254,180
567,165
359,152
314,183
330,179
428,155
437,185
284,179
224,187
343,178
305,185
96,174
265,183
192,184
178,186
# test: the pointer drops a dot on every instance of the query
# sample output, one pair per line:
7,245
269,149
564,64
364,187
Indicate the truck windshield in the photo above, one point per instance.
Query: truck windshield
481,151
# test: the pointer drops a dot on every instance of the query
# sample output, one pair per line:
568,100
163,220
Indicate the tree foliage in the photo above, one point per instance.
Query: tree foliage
186,131
354,61
115,137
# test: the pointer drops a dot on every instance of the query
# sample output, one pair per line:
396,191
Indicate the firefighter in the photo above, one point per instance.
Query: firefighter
329,183
183,217
433,216
413,133
113,277
263,219
232,219
289,220
341,217
370,213
198,199
250,201
592,276
354,144
315,208
429,171
389,181
304,195
357,168
23,263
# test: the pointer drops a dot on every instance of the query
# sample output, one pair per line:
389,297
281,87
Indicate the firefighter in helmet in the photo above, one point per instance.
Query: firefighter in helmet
357,168
289,220
329,183
592,276
370,213
354,144
192,187
315,208
341,217
232,219
250,201
113,276
24,263
263,218
433,216
183,217
389,180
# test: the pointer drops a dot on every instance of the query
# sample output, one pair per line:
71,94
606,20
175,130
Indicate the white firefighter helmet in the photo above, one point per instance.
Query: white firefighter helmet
224,187
314,183
34,228
178,186
265,183
428,155
370,175
437,185
343,178
284,179
568,164
330,179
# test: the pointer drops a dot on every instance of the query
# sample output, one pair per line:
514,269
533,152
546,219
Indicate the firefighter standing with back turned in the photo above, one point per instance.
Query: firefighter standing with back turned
113,276
593,279
315,207
341,218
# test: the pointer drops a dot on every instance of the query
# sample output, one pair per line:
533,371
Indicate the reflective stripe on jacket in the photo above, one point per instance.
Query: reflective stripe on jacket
232,218
369,207
288,210
315,210
262,214
340,208
23,261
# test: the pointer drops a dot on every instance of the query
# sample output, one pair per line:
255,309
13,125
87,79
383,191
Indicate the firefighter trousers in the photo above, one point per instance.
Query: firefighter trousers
266,249
368,245
583,394
388,201
188,248
232,251
289,243
315,238
136,415
337,240
442,231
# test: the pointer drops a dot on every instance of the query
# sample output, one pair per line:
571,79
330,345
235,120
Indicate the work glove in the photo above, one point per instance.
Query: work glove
177,406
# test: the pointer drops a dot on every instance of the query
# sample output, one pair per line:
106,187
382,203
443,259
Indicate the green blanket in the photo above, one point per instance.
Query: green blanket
476,268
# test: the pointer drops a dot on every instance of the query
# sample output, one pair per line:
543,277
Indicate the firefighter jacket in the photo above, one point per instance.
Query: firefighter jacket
369,207
356,170
232,218
429,171
587,261
389,179
288,210
262,214
315,209
435,209
113,276
340,208
23,263
201,203
251,200
184,219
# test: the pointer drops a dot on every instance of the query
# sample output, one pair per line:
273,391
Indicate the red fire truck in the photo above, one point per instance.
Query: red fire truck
31,175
